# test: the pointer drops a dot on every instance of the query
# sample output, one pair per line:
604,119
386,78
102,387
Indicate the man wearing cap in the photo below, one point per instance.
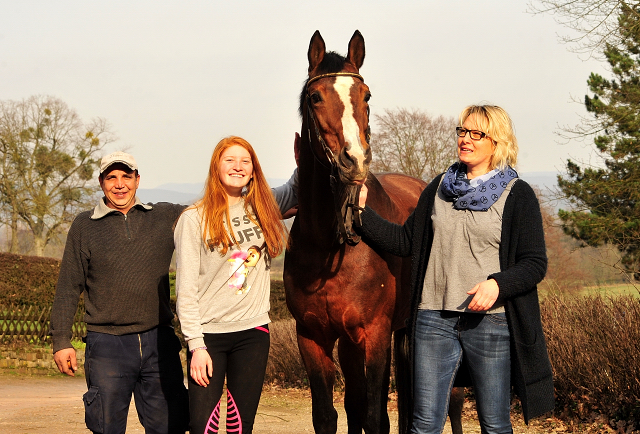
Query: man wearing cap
119,255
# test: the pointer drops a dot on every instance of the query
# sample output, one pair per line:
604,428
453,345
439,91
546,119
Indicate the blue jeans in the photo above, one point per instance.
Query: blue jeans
443,339
146,364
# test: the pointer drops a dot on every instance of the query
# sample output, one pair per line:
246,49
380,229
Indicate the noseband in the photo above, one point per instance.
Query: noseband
345,200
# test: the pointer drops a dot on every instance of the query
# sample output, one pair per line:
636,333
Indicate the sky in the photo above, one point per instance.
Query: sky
173,77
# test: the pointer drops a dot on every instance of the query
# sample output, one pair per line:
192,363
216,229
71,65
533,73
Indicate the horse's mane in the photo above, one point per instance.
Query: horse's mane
332,62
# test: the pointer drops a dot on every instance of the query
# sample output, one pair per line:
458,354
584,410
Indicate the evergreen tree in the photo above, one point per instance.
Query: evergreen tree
606,199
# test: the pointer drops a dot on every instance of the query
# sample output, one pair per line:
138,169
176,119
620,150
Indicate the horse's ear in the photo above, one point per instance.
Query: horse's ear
356,50
316,51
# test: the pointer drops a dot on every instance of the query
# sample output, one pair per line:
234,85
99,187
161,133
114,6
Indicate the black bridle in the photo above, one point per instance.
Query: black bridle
345,200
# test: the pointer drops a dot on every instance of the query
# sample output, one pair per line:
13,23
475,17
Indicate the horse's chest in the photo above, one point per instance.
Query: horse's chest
332,304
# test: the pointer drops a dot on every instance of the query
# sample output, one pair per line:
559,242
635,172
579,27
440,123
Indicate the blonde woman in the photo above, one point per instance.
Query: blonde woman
224,245
478,252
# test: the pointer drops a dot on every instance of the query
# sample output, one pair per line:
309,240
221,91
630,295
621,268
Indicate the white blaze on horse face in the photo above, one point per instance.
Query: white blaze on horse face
350,128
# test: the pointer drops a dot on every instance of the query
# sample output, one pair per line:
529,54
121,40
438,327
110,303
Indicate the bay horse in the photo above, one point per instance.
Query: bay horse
338,288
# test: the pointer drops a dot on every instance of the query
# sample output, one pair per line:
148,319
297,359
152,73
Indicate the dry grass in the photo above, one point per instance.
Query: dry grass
285,366
612,290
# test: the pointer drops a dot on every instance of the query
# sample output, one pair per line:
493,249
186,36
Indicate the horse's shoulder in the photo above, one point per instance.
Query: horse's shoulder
402,191
400,180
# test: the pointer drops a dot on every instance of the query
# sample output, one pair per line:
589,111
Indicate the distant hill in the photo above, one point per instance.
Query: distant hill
195,188
155,195
547,182
544,180
185,194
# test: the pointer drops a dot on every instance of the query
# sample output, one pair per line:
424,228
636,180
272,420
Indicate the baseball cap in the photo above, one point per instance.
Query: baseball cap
118,157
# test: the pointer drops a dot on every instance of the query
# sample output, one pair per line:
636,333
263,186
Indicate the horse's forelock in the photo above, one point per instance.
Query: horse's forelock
332,62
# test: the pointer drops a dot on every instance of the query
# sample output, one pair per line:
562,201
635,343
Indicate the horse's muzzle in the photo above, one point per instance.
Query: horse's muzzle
349,170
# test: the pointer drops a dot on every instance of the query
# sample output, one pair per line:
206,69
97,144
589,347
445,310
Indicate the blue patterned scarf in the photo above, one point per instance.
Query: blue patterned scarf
477,194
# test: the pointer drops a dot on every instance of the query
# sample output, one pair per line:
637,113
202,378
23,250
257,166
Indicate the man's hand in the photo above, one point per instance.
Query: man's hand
290,213
201,367
486,294
66,361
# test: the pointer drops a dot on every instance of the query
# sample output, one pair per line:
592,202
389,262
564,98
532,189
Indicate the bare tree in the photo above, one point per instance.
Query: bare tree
9,192
47,160
414,143
594,22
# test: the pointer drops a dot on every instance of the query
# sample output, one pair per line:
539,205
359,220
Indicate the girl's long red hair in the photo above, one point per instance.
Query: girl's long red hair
259,203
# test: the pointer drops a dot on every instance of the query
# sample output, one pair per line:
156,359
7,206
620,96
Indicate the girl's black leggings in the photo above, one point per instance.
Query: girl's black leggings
242,358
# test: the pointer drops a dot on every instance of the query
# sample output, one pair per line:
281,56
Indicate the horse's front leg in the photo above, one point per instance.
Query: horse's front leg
321,370
456,403
366,367
355,384
377,370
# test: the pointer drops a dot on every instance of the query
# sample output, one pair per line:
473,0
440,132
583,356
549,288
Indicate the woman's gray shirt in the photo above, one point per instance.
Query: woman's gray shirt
464,252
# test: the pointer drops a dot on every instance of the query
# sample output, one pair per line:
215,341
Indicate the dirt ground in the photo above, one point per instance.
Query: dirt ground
38,404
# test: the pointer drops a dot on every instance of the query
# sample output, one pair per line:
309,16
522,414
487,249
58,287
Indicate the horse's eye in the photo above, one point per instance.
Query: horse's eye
315,98
367,97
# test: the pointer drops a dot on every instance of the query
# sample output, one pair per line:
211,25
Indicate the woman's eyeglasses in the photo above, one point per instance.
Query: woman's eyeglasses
474,134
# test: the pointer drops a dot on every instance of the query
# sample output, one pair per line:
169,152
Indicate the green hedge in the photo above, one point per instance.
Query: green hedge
31,281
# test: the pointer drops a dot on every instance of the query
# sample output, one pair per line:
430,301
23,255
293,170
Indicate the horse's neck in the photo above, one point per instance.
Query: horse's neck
316,198
316,210
380,201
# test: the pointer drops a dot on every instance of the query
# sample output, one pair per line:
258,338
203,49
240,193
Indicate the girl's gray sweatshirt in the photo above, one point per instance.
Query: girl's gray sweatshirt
224,293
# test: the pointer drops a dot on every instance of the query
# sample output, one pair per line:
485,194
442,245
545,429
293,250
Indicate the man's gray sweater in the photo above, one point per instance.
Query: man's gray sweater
122,262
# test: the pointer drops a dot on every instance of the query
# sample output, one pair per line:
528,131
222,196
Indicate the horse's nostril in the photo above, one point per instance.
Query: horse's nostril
347,159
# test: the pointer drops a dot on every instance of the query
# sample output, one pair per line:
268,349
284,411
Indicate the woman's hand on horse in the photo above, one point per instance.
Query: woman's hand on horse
484,294
362,200
201,367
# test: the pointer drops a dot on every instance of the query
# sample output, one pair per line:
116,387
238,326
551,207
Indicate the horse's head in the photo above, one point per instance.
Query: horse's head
335,111
335,102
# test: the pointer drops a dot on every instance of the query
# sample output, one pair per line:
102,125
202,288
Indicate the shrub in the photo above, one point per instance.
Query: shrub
594,343
28,280
279,310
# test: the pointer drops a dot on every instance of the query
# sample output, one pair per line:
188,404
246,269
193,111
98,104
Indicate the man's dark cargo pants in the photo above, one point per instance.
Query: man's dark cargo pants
146,364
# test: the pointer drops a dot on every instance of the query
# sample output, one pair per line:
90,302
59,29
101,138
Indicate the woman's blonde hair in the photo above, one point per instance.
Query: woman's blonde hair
495,123
259,204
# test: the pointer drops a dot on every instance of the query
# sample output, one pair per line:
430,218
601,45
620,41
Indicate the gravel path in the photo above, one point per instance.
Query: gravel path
38,404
